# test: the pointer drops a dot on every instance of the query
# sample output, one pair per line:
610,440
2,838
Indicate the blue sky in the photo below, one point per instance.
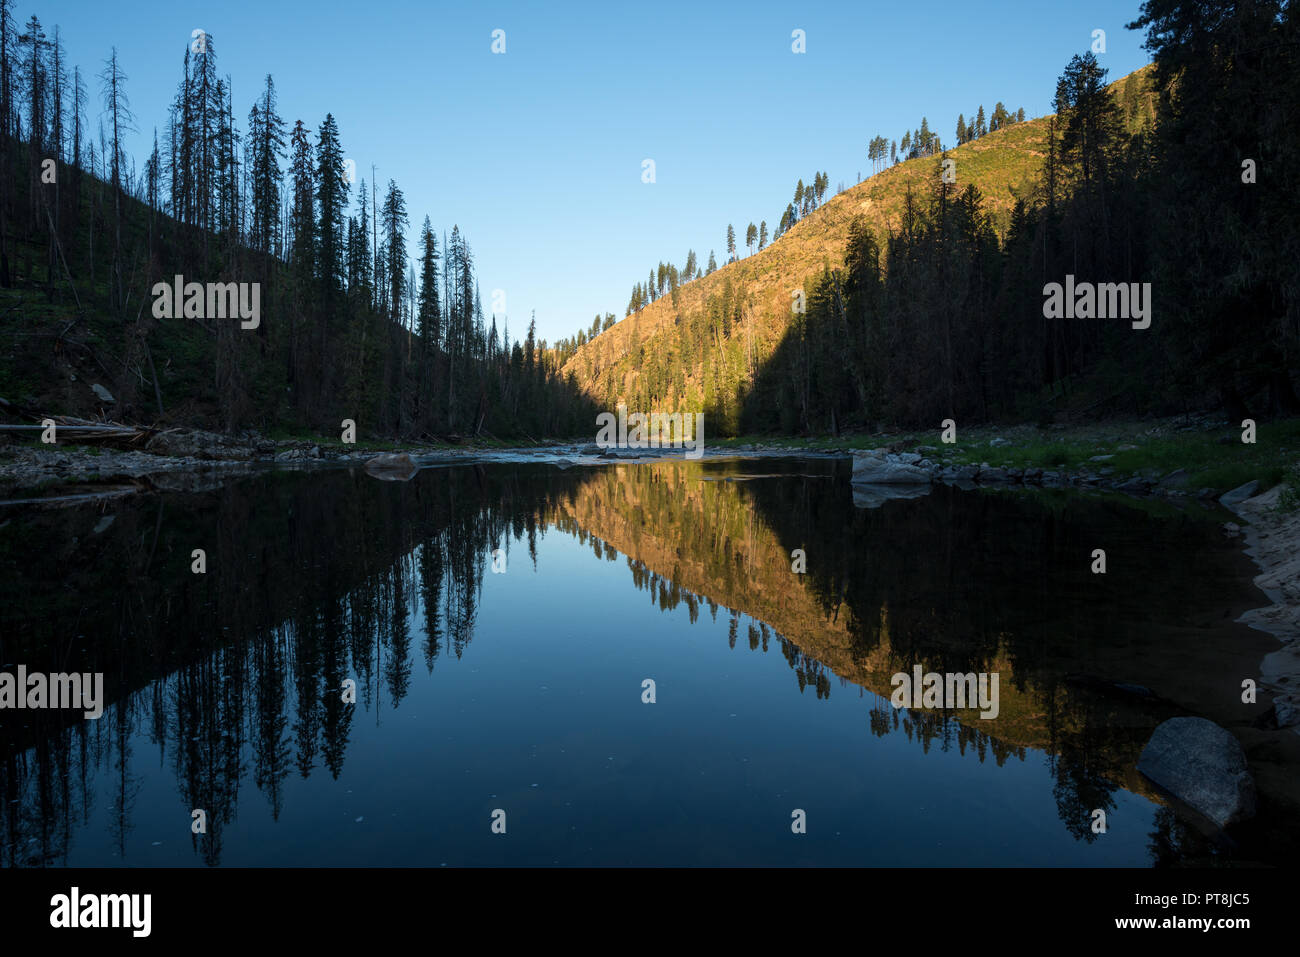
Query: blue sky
537,153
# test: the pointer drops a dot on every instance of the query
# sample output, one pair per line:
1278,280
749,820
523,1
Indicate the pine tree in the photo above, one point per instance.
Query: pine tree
395,223
359,260
35,71
266,133
429,317
731,239
332,197
8,119
58,81
762,234
302,218
112,81
1090,117
205,107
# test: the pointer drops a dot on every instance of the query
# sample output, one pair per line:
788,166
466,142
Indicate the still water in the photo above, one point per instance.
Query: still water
523,690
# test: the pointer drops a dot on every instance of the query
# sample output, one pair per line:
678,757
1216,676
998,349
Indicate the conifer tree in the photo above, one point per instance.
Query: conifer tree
113,81
332,197
266,133
429,317
302,218
395,223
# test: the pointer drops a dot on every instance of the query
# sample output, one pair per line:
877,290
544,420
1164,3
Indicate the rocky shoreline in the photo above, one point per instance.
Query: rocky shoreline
188,459
1273,543
205,453
884,467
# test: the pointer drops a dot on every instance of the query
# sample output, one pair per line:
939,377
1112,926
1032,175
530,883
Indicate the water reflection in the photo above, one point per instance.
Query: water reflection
314,580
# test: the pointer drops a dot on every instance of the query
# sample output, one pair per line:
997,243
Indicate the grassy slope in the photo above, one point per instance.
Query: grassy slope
1001,164
1210,455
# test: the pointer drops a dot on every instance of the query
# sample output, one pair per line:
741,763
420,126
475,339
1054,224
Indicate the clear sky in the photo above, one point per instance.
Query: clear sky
537,153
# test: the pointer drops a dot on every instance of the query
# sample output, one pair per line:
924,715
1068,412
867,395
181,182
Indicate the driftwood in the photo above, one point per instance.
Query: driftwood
97,433
82,430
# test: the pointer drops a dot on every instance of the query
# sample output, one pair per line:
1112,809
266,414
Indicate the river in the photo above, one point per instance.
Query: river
684,662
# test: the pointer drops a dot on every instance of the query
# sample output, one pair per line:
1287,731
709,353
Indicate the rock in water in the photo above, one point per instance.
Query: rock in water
874,496
392,467
1203,766
881,468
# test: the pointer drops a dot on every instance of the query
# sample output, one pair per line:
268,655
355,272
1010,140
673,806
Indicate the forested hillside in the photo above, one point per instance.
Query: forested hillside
348,327
923,295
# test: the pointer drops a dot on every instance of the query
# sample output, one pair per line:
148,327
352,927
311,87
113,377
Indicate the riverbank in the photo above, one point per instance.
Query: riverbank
1193,453
1200,453
1273,543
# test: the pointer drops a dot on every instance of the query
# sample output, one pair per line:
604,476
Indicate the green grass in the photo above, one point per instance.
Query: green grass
1214,458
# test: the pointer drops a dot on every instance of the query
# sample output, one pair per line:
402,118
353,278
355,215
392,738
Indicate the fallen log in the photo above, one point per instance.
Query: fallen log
83,431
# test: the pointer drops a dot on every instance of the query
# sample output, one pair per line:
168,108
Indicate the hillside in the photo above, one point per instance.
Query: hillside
339,332
637,360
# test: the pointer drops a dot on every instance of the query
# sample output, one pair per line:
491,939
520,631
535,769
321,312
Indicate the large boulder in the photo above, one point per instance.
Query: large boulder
884,468
1239,494
1203,766
197,444
392,467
